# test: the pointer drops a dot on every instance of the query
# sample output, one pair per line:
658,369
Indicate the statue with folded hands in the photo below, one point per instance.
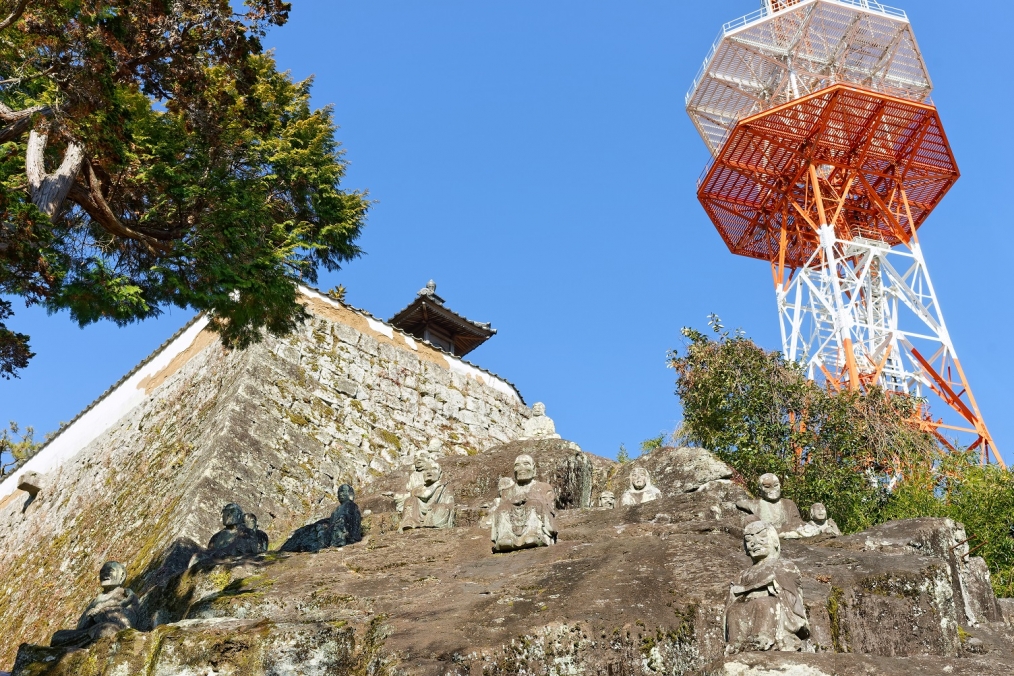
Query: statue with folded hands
430,505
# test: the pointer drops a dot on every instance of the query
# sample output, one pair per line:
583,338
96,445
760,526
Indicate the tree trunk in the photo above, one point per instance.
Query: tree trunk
48,191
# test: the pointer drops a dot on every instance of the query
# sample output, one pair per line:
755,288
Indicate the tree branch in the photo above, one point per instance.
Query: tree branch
8,115
18,121
19,9
90,198
15,130
27,78
48,191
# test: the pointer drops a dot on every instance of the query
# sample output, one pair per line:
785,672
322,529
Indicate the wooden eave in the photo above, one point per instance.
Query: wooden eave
465,334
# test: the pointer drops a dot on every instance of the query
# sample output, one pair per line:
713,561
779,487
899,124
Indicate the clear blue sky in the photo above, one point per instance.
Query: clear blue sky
535,159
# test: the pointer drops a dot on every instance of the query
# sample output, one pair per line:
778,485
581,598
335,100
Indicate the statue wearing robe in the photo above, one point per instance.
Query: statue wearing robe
764,610
540,425
430,505
112,611
526,515
235,539
415,480
772,508
640,490
819,524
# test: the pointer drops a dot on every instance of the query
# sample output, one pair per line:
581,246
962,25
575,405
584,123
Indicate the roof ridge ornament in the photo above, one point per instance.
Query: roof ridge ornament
430,290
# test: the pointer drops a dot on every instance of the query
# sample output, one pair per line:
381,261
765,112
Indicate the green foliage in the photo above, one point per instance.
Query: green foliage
16,446
649,445
623,456
337,293
856,452
208,180
14,350
983,499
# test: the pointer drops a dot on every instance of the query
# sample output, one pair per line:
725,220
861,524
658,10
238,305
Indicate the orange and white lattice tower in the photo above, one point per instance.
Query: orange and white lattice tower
828,154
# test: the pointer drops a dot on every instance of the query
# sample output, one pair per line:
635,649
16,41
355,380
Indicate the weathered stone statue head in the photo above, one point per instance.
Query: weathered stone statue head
232,515
432,472
640,490
113,610
250,521
421,459
524,469
770,487
639,478
538,409
760,540
818,513
765,609
346,493
607,499
112,575
504,483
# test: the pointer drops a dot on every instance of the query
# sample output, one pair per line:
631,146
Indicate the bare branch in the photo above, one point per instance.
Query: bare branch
8,115
19,9
48,191
18,121
27,78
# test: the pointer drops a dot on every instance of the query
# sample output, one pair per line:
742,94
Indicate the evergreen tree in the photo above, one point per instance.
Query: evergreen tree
151,154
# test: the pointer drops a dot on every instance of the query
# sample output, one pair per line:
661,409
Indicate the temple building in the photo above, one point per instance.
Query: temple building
428,319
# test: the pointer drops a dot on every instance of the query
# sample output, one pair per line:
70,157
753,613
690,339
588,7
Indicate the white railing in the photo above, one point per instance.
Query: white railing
766,10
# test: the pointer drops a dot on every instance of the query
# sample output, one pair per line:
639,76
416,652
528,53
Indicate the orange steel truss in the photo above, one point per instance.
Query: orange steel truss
833,181
863,143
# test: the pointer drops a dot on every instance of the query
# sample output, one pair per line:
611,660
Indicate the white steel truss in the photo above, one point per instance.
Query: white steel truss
861,313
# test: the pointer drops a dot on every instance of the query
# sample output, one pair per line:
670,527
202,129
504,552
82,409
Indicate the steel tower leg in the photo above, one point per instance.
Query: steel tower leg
861,313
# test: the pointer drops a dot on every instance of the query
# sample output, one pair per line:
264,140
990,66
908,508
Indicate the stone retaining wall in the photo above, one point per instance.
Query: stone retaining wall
275,428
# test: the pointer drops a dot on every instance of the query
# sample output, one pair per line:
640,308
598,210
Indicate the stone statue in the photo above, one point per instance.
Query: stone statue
343,527
607,500
235,539
346,520
780,512
526,514
640,490
430,505
819,524
250,521
765,608
415,479
539,426
112,611
821,521
430,290
503,484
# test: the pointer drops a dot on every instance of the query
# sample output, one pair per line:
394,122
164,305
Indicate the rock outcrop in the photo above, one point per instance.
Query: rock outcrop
632,590
675,470
780,664
636,589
